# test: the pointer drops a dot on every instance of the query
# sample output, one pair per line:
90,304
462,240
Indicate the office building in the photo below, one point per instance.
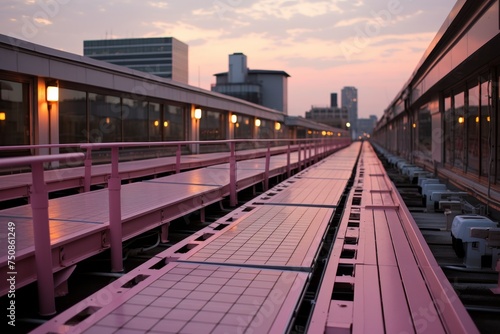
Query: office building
333,100
349,100
332,115
366,126
165,57
268,88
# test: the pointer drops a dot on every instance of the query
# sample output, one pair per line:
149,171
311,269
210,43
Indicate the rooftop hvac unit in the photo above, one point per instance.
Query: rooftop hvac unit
474,251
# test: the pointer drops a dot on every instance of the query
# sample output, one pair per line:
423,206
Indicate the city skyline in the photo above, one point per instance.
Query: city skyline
324,45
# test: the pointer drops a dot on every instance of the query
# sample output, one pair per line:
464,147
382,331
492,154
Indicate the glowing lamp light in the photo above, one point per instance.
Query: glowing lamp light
197,113
3,116
460,120
52,93
277,126
156,123
165,124
257,122
414,125
108,120
477,119
488,118
323,133
234,118
348,125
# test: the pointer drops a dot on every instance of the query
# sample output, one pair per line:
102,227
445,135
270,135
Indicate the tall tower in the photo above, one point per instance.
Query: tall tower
238,69
349,100
333,100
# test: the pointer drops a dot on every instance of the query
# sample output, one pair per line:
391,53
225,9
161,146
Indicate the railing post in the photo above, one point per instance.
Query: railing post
233,199
306,147
311,157
115,216
178,159
299,162
288,170
43,251
266,171
88,170
316,152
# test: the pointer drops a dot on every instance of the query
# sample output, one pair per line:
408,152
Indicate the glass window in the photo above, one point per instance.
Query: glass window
449,121
496,120
472,132
134,120
266,129
486,135
279,129
459,131
212,125
173,123
155,122
424,129
72,116
14,114
243,128
105,119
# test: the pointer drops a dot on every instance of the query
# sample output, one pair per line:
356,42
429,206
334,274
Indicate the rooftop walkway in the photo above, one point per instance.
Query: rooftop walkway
251,270
80,224
381,276
244,273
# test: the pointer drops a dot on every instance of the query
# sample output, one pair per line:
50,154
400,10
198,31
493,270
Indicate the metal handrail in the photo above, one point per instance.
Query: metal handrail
40,212
310,148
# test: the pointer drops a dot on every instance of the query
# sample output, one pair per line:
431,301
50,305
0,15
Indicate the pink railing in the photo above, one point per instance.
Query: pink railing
41,230
114,182
311,149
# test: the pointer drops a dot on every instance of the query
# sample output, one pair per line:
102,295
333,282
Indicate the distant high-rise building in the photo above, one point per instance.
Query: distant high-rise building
265,87
333,100
165,57
349,100
366,126
332,116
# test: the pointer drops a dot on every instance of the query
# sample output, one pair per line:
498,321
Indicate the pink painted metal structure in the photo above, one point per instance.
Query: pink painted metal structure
88,223
41,231
18,186
247,272
381,276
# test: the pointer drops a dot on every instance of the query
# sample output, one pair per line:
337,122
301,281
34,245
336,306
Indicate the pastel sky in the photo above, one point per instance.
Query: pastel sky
373,45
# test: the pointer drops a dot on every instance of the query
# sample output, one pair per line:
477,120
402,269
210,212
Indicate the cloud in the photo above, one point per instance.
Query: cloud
287,10
42,21
351,22
158,4
301,37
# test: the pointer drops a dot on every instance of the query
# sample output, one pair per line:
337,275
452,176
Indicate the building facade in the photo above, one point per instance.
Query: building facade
265,87
349,100
332,116
366,126
165,57
445,118
98,102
